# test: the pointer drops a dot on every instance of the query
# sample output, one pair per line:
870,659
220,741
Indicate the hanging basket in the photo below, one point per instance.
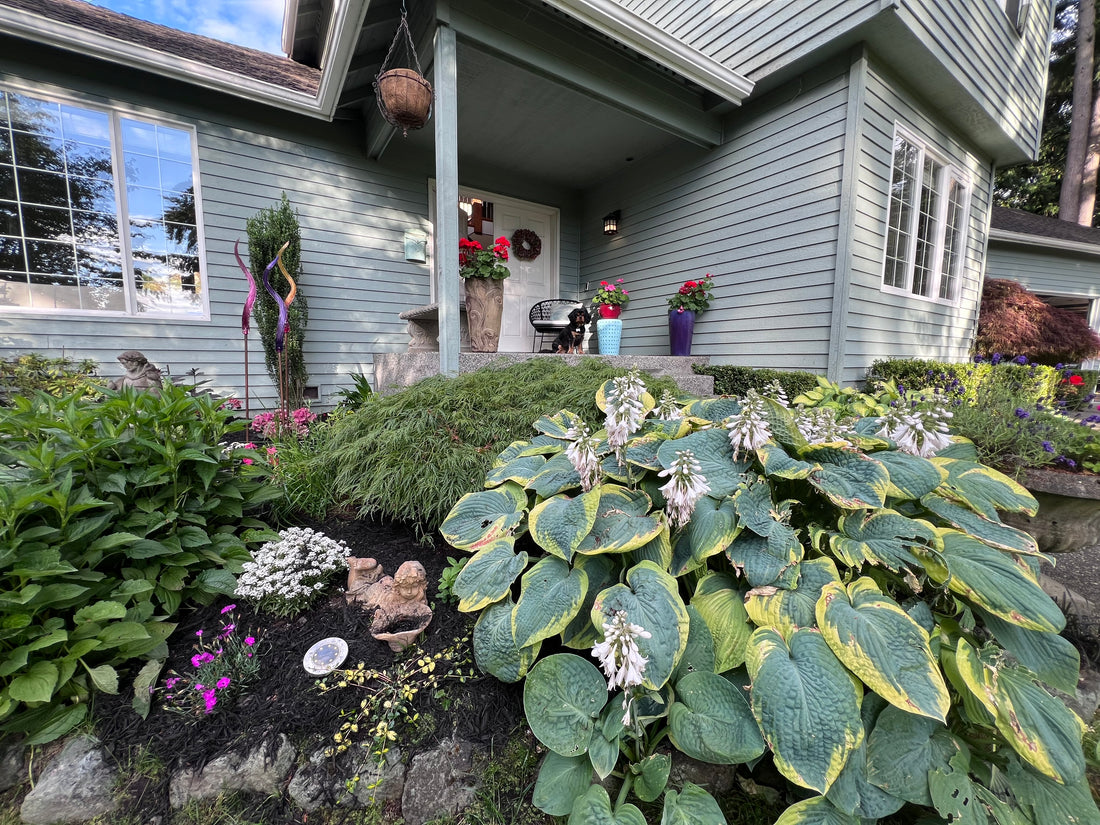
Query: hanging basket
404,96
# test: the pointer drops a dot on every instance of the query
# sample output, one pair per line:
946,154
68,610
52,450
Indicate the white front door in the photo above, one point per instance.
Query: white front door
531,281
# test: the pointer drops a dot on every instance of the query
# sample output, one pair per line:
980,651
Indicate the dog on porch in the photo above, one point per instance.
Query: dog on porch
571,339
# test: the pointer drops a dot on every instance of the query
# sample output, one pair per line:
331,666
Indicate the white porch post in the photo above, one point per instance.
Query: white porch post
446,194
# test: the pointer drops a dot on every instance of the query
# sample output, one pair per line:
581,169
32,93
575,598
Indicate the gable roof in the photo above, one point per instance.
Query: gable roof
80,27
1017,226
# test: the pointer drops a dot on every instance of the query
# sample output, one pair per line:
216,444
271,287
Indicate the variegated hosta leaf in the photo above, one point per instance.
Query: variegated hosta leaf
594,808
997,582
782,426
911,476
879,537
817,810
665,429
692,806
713,410
983,489
560,523
603,749
993,532
1049,656
960,448
556,476
720,602
850,480
657,550
562,699
954,796
610,468
883,646
779,464
512,466
561,781
621,522
1039,727
698,656
767,561
488,576
711,721
901,750
715,456
652,776
755,507
559,424
641,452
712,527
543,445
786,610
1050,802
853,792
602,572
650,599
551,593
495,649
807,706
479,518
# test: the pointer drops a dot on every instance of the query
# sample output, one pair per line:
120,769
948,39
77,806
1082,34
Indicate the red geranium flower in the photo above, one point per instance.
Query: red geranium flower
1076,380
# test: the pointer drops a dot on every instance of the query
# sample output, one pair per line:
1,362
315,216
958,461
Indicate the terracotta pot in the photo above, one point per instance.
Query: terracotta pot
1069,510
401,639
484,307
610,310
404,98
681,325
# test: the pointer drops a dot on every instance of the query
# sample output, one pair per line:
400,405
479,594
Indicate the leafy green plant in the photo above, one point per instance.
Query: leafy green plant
358,394
448,576
1031,383
268,230
731,380
32,372
376,458
855,614
112,515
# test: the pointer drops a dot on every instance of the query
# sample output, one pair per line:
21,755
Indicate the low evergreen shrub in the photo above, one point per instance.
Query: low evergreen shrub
731,380
409,455
33,372
113,514
1031,383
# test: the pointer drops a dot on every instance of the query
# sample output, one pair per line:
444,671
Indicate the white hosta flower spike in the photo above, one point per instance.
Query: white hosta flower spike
749,428
919,429
686,485
582,453
618,653
667,409
624,408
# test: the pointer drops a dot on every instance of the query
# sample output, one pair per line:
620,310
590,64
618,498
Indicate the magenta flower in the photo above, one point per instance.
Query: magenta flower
229,628
250,640
198,633
223,683
172,682
200,659
228,607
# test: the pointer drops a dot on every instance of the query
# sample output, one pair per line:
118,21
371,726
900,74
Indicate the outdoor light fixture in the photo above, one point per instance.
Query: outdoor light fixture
611,223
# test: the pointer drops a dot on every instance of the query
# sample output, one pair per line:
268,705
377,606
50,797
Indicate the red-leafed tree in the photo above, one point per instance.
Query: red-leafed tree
1013,321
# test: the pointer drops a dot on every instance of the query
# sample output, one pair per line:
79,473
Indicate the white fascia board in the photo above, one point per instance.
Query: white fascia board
1045,243
340,42
83,41
611,19
290,25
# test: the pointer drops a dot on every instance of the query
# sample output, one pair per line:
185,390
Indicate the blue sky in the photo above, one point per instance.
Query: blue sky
254,23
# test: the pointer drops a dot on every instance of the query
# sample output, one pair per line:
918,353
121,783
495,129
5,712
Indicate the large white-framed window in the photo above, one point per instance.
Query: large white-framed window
926,224
99,211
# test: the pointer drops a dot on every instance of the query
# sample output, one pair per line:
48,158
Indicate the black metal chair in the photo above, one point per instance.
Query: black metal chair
548,318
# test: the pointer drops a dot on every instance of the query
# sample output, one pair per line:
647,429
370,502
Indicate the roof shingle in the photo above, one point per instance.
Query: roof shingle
1025,223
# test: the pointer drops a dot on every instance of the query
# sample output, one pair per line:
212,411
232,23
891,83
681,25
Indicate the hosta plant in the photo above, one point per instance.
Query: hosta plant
739,581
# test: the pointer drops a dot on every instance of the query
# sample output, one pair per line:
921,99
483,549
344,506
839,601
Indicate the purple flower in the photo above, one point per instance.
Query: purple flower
1048,447
996,359
977,359
228,607
1021,359
1059,366
229,628
200,659
198,633
211,699
171,682
1022,413
1066,462
223,683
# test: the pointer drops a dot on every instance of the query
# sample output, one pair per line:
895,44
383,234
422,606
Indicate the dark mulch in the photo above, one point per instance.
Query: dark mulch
285,698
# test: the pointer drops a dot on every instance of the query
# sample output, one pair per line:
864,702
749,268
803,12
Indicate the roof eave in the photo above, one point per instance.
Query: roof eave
95,44
1026,239
611,19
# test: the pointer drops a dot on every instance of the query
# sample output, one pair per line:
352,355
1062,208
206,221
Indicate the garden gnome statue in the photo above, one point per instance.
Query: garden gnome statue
140,374
400,603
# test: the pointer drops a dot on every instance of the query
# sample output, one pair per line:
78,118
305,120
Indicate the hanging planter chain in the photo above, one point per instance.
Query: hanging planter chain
404,96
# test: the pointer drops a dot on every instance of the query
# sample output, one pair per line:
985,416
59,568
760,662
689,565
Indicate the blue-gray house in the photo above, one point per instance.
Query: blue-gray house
830,162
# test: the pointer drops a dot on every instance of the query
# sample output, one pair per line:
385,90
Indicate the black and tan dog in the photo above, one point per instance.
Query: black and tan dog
571,339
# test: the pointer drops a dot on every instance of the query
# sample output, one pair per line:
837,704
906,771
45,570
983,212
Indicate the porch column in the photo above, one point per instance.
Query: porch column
446,194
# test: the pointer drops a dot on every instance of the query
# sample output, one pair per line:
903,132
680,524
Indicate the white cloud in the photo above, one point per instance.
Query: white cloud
254,23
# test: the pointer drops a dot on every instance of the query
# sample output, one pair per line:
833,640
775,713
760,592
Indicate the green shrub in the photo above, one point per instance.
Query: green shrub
113,514
856,615
730,380
409,455
1032,383
32,372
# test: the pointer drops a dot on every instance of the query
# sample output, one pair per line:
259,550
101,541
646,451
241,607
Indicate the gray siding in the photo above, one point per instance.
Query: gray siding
1045,270
885,325
760,213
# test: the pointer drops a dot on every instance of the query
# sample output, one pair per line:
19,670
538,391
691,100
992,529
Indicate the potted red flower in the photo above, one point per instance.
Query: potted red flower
691,299
484,271
611,298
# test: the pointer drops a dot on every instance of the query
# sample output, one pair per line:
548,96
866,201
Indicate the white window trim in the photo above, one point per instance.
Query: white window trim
949,169
115,113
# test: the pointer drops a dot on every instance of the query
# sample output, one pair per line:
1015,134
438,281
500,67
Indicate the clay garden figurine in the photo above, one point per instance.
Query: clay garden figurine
140,374
400,605
362,573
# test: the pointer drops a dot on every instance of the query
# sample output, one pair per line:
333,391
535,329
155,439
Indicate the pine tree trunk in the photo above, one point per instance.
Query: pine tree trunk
1069,203
1092,166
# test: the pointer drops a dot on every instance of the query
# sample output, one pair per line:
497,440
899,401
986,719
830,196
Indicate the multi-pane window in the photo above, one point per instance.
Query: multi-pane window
926,225
97,212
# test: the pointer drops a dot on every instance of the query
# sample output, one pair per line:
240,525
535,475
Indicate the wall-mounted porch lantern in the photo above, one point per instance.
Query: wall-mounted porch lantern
611,223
